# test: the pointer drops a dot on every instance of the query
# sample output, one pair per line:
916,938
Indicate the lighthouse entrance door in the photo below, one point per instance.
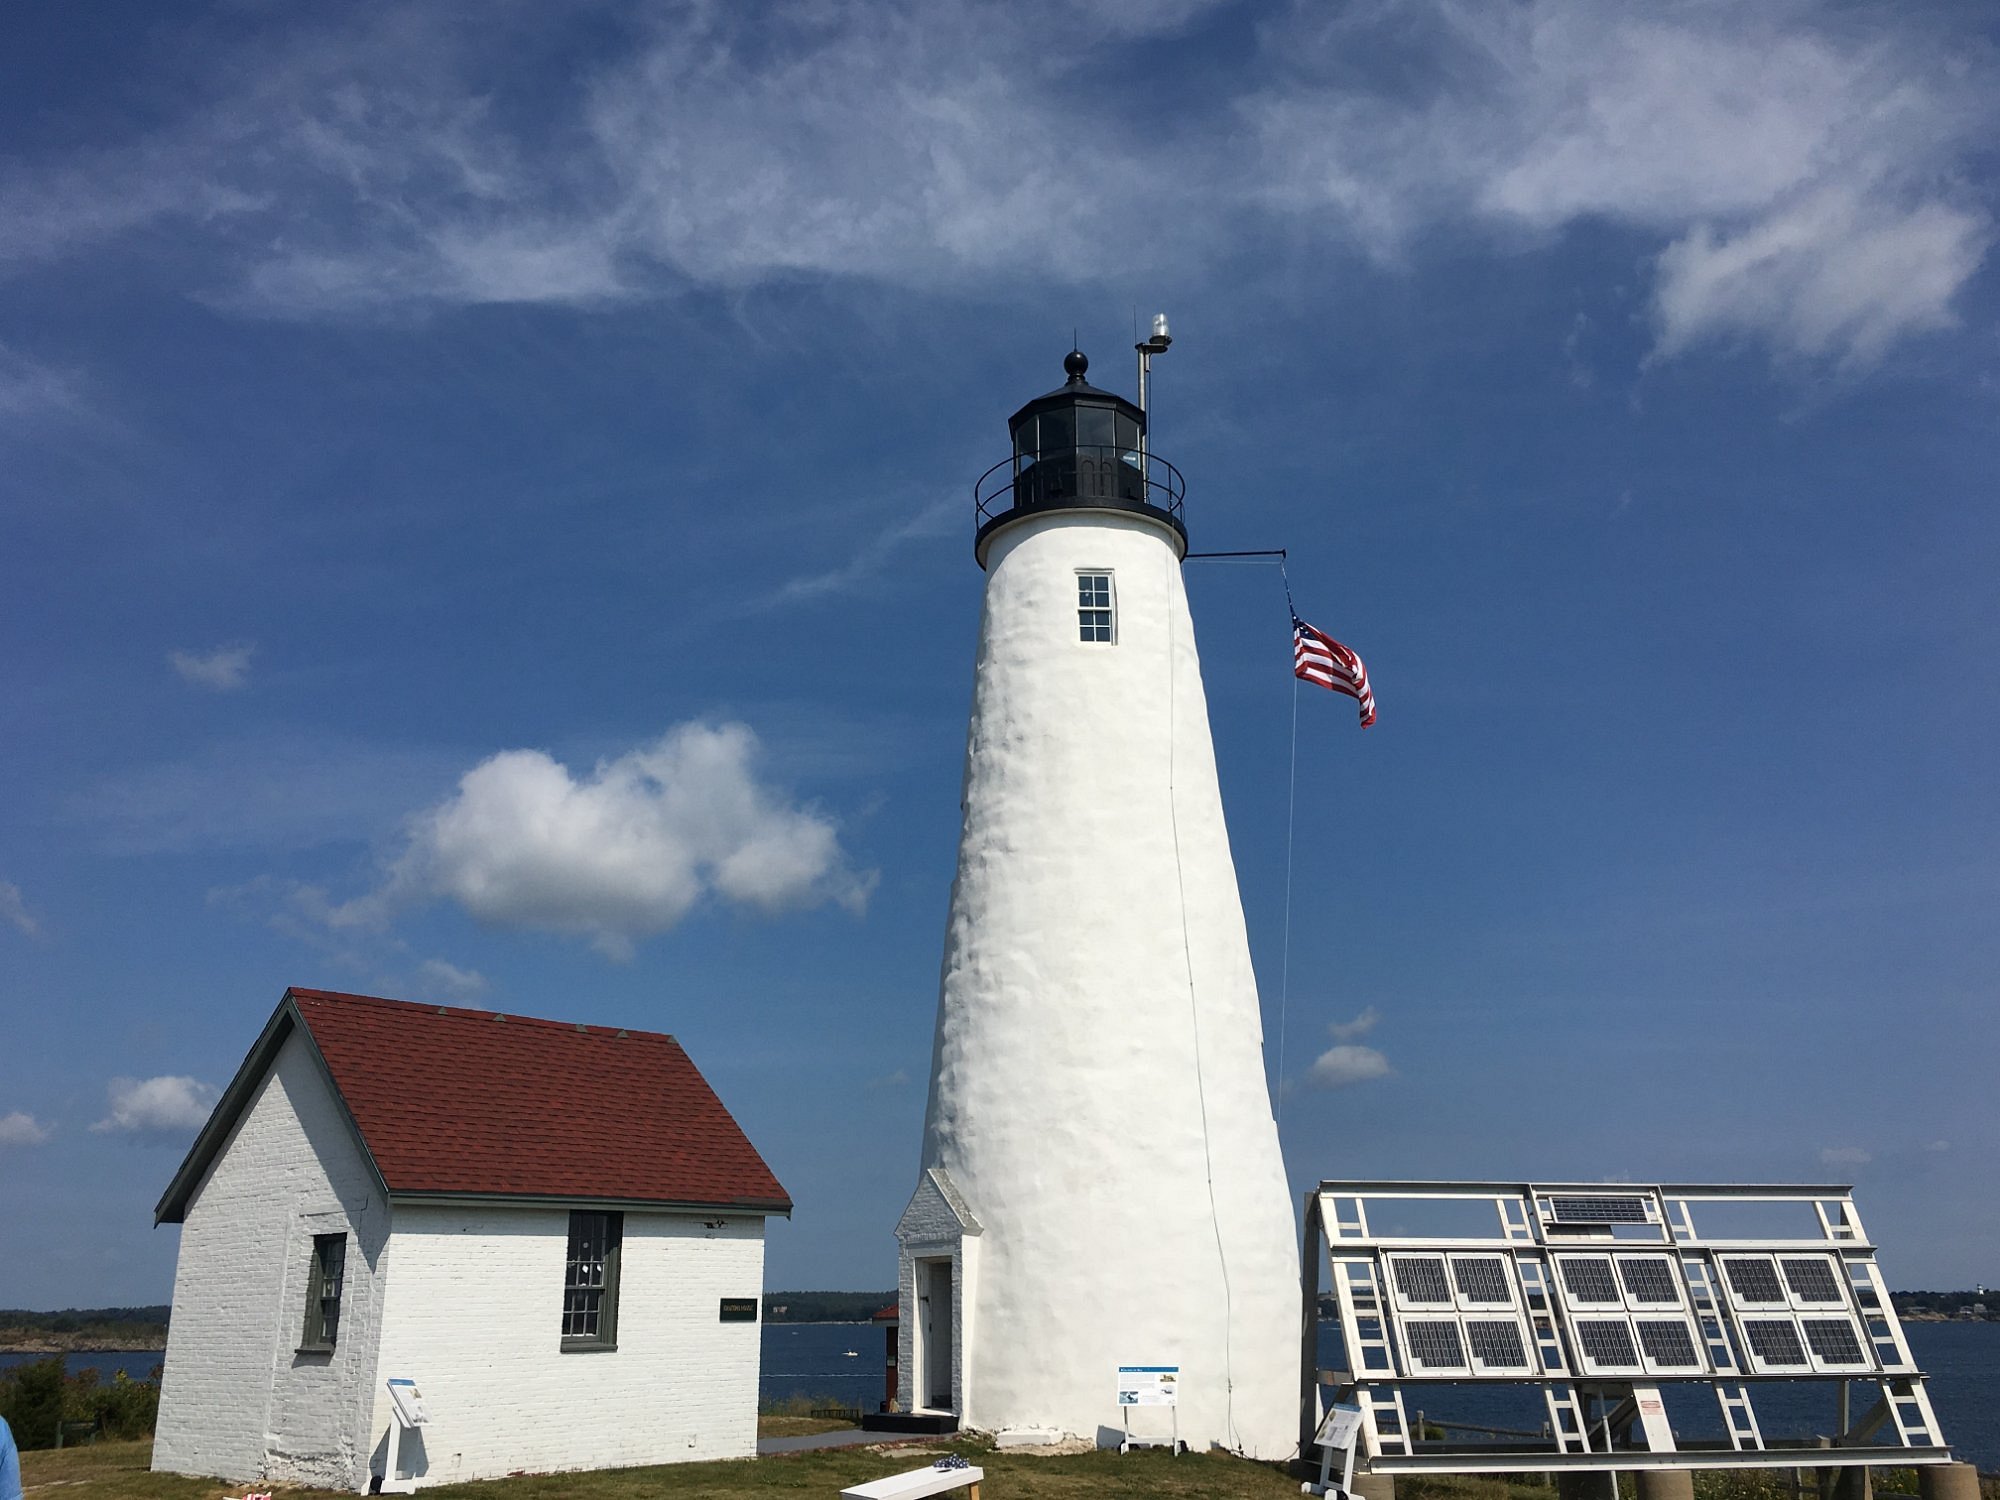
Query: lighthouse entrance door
934,1300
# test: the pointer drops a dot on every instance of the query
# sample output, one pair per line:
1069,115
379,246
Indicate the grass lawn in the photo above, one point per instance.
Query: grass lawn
117,1471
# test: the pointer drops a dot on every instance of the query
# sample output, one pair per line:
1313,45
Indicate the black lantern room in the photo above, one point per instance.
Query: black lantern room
1077,448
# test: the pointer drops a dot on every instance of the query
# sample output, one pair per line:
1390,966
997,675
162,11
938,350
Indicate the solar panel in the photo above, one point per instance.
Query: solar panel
1482,1278
1775,1341
1812,1280
1594,1209
1753,1280
1434,1345
1833,1340
1607,1342
1588,1278
1668,1343
1496,1344
1421,1278
1649,1279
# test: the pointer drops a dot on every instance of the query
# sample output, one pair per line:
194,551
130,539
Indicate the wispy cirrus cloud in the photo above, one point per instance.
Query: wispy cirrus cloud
14,911
1799,173
223,670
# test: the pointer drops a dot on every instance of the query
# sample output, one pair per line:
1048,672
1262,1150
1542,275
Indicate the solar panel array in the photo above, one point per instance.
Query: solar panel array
1556,1298
1607,1208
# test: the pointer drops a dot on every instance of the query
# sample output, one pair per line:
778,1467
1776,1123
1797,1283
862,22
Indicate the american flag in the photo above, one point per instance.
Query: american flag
1318,657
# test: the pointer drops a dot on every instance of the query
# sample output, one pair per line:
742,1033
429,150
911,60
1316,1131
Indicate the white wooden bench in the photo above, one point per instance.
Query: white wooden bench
918,1483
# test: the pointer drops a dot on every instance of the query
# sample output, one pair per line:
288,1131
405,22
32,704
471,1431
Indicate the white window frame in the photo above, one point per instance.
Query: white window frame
1109,609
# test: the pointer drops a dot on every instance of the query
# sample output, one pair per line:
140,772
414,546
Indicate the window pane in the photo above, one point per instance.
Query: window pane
1057,431
1127,432
1024,436
1094,426
589,1276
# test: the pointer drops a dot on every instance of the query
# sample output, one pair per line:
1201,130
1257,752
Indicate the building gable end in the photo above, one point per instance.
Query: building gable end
238,1096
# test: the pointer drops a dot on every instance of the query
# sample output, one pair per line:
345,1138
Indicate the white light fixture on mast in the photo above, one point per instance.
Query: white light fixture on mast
1160,341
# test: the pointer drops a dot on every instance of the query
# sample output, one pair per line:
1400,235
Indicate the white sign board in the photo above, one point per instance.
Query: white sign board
1148,1385
409,1402
1338,1430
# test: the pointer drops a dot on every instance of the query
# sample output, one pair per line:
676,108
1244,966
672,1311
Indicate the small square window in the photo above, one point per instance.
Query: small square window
323,1282
590,1280
1094,610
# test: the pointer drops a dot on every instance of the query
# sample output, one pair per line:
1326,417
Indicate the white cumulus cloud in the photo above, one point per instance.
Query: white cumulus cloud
22,1129
621,851
1845,1156
169,1105
1348,1063
223,670
14,910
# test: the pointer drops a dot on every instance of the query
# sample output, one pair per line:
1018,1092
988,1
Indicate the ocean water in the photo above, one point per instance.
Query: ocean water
1962,1360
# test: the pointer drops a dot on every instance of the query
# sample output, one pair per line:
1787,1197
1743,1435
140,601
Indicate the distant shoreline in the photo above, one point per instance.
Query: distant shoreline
64,1346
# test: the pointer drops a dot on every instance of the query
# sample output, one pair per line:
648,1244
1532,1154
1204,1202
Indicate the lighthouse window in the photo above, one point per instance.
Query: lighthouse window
1093,606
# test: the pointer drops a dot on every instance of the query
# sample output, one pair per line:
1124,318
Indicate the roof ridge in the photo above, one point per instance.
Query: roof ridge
429,1008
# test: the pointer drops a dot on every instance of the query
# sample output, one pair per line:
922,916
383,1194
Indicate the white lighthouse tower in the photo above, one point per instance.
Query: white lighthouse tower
1101,1183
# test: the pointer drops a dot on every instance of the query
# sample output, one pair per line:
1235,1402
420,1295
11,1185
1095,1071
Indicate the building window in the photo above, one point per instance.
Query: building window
323,1282
1093,606
590,1281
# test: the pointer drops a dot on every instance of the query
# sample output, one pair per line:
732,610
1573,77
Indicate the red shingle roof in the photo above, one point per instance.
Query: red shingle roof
480,1103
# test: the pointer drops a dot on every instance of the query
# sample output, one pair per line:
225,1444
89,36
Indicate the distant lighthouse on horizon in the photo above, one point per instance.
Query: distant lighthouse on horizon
1101,1182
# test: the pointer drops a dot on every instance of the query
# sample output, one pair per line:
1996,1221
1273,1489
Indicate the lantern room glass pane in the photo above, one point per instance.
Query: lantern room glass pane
1058,431
1094,427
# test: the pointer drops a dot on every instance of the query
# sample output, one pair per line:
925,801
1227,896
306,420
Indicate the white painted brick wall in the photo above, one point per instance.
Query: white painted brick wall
473,1315
237,1400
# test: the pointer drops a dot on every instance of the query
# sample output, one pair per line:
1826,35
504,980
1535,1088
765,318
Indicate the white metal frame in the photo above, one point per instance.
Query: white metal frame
1601,1414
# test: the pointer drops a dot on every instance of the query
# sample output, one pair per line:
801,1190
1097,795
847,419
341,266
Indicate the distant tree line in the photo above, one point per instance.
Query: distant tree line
1974,1304
824,1307
84,1328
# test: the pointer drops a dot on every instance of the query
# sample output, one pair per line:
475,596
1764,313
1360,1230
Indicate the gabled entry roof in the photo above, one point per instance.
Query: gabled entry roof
475,1104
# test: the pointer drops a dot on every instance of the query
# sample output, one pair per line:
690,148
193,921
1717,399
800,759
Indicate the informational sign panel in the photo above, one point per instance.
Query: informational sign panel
739,1309
1148,1385
1341,1423
409,1402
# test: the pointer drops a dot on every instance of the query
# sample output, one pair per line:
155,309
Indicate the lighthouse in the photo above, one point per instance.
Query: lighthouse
1101,1185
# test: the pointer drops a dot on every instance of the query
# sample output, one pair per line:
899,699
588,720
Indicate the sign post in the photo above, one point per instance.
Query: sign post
1149,1385
409,1413
1338,1430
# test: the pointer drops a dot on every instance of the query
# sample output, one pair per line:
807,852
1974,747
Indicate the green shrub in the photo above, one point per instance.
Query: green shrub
31,1399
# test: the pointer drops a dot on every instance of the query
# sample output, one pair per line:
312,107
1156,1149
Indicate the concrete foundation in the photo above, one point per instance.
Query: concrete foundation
1666,1484
1948,1482
1383,1486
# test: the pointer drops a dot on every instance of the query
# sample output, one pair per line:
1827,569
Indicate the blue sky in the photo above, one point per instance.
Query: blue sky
485,517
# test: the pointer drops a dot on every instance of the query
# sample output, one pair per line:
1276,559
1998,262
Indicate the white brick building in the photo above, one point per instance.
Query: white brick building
557,1231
